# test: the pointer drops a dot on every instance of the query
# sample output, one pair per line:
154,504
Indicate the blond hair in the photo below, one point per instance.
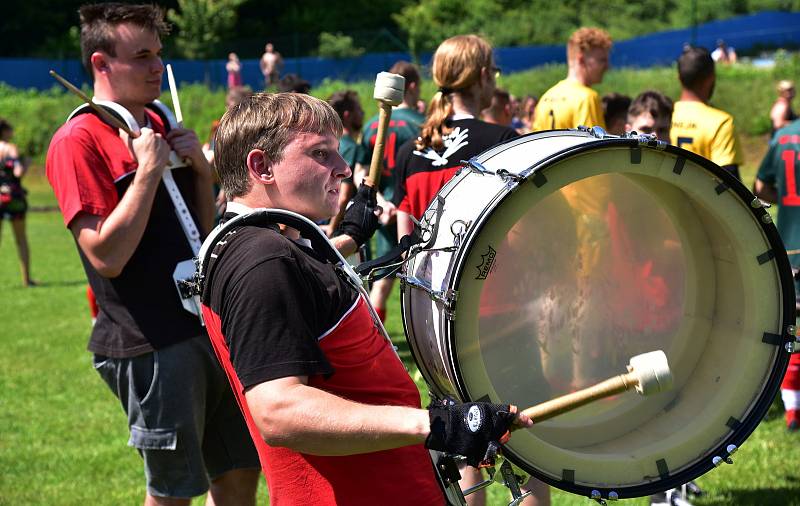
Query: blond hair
785,85
585,39
265,121
456,66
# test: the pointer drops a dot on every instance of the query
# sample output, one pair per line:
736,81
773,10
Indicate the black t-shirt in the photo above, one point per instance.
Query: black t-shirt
278,298
421,174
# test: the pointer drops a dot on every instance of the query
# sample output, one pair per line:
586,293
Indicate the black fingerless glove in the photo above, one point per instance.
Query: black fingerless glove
474,429
359,220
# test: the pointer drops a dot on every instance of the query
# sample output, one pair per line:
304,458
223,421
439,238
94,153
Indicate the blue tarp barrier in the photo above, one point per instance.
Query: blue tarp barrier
661,48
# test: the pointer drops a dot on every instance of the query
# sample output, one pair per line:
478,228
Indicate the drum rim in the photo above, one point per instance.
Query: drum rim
763,402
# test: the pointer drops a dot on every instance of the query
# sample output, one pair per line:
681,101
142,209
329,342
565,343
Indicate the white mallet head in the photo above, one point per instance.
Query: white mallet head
390,88
652,372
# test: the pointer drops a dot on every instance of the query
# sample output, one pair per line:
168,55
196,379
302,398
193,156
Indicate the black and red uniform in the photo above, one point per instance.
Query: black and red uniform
276,308
90,169
421,174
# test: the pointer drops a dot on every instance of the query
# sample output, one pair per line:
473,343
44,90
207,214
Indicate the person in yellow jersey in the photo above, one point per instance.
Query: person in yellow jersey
696,126
572,102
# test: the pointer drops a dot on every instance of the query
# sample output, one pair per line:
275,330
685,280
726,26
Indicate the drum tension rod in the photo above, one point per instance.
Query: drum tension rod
475,166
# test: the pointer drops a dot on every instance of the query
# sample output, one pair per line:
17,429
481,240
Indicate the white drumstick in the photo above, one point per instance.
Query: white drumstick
173,89
648,373
389,90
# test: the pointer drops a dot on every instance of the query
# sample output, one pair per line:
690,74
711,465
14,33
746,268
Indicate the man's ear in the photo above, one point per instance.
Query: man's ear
99,62
259,166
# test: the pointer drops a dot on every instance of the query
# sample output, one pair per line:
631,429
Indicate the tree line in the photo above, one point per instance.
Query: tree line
212,28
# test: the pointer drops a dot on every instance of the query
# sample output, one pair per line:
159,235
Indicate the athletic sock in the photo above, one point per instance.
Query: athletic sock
381,313
791,402
793,419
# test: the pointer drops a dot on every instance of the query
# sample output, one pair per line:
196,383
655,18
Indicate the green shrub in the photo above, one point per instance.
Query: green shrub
743,90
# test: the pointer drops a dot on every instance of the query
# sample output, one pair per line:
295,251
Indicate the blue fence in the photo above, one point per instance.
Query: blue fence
661,48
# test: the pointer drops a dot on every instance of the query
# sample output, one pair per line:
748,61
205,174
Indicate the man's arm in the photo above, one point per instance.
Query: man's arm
290,413
404,224
187,145
109,242
765,191
778,115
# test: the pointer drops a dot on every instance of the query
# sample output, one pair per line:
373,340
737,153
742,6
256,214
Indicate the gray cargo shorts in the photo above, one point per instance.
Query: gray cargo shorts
182,415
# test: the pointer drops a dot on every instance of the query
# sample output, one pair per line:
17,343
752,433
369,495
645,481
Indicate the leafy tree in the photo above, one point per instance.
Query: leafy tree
532,22
337,45
202,25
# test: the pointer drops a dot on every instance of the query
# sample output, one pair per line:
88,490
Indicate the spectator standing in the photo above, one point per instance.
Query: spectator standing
463,68
572,102
403,127
13,204
234,69
776,182
528,113
615,112
151,352
696,126
292,83
723,54
650,113
348,106
781,113
271,65
499,112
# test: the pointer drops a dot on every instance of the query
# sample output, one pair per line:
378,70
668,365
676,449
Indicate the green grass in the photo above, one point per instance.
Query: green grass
63,434
744,91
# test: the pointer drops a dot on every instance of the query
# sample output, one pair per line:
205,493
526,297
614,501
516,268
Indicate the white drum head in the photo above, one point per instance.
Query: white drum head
608,253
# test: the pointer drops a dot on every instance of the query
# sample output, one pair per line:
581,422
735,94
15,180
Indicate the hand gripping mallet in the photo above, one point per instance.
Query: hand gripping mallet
648,373
389,90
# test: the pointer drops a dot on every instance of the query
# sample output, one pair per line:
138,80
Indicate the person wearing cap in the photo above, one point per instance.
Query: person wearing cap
781,113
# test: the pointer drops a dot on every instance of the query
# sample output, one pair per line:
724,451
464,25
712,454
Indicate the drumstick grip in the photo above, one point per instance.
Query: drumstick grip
99,110
559,405
374,177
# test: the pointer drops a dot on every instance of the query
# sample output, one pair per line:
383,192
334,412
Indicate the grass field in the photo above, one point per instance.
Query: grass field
62,433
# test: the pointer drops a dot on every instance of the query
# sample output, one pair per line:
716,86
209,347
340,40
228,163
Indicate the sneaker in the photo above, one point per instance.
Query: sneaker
659,499
793,419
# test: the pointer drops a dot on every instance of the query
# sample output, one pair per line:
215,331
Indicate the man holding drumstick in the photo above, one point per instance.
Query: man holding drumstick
152,353
333,413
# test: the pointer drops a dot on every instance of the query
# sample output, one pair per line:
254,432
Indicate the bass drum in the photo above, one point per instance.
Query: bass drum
551,260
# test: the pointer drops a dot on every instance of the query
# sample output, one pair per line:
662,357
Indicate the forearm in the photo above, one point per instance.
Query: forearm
344,244
766,192
110,242
404,224
310,420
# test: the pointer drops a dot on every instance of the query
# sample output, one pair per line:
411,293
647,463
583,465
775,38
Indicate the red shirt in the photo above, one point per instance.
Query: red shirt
359,365
85,159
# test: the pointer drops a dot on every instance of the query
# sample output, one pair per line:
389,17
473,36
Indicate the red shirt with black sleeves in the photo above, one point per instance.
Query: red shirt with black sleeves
90,169
274,308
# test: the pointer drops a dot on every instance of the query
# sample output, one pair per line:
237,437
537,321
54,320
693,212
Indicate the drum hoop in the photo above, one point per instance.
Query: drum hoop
772,385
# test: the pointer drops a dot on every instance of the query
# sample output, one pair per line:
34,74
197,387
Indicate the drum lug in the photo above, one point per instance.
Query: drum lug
447,297
597,497
757,203
477,167
648,140
718,461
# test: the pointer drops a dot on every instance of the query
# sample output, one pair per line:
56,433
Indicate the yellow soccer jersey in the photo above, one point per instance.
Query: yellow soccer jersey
568,104
705,131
